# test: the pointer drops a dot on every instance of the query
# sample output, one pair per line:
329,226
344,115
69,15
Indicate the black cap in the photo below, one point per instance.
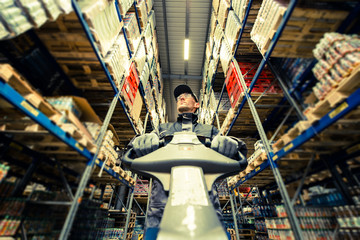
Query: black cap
184,89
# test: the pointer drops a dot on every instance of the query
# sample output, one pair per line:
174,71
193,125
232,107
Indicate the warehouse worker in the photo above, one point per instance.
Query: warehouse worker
187,105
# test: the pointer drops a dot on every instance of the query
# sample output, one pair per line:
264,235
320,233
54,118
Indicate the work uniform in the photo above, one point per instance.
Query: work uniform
159,197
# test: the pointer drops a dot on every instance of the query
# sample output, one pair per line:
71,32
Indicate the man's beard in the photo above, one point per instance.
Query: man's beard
183,109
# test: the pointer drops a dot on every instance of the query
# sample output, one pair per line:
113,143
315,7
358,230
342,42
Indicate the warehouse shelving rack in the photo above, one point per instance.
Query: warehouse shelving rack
351,103
21,103
71,216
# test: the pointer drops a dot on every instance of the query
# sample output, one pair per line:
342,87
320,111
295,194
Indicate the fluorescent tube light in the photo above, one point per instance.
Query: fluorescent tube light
186,49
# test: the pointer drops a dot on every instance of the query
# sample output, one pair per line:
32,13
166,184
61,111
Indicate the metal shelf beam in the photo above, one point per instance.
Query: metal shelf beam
352,102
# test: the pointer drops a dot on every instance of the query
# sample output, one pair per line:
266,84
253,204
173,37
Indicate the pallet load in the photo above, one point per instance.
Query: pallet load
118,61
337,72
265,91
132,30
20,16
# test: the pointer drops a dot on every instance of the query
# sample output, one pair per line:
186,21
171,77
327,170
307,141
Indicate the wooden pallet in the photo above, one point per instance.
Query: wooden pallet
305,29
37,102
334,97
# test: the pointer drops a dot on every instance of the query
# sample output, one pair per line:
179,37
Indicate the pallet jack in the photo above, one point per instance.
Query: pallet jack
187,169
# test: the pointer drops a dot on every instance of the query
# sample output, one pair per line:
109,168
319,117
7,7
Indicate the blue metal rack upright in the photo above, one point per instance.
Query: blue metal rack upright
289,208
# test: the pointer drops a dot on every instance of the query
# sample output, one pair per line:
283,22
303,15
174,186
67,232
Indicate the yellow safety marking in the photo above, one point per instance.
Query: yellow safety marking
30,108
353,149
288,147
16,146
275,157
243,179
79,146
257,169
338,110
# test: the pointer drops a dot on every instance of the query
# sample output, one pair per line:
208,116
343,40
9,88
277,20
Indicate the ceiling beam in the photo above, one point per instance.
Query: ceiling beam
178,76
166,35
187,20
207,34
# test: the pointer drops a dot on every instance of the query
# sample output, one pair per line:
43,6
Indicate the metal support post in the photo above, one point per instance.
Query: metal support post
148,200
281,124
121,196
340,185
93,189
234,216
286,93
129,210
86,175
111,197
139,206
346,173
63,179
303,179
20,186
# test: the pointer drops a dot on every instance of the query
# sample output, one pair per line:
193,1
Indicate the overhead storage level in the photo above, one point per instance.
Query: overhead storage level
79,79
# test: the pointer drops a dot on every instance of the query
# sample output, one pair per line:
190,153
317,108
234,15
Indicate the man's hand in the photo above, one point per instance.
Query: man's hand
145,144
225,145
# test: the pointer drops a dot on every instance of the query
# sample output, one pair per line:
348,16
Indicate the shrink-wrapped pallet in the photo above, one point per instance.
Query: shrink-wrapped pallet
34,11
225,56
239,7
4,33
148,36
117,61
140,57
215,4
132,30
145,74
218,36
142,12
52,9
212,24
149,5
64,5
152,20
102,19
267,21
232,30
338,56
124,6
14,17
223,12
150,55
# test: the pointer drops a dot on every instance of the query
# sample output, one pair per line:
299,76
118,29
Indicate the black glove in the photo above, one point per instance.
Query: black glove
225,146
145,144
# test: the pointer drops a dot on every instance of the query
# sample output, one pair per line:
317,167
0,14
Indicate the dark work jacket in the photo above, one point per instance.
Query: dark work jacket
159,197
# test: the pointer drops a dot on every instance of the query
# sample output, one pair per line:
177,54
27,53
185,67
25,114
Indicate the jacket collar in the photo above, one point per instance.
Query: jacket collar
194,117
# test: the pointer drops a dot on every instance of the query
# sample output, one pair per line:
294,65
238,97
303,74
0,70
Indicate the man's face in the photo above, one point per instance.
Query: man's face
186,103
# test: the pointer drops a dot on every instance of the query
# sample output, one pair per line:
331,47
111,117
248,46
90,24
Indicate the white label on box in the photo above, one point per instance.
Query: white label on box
187,187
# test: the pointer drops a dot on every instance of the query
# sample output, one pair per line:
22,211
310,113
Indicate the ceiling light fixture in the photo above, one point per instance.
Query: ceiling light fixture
186,49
